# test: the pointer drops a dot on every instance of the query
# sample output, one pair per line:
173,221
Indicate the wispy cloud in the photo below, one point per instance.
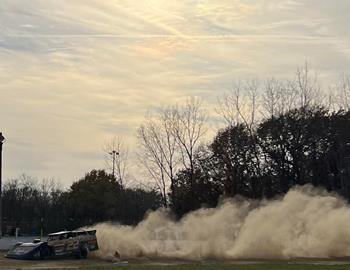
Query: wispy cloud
72,74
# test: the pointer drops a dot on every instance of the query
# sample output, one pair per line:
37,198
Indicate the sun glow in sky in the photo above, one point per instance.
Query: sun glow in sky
75,73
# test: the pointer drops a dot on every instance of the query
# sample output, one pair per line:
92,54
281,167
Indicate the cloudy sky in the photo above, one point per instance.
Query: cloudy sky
75,73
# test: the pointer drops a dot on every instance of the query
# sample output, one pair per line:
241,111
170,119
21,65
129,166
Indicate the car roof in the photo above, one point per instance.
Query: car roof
58,233
30,244
63,232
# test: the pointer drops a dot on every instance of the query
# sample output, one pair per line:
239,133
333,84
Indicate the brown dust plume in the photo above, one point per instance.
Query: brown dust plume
306,222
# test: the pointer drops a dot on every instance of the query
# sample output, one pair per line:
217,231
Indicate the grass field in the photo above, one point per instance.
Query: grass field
251,266
173,264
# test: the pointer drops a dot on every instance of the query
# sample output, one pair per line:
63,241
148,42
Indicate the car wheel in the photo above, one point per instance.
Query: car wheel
44,253
83,252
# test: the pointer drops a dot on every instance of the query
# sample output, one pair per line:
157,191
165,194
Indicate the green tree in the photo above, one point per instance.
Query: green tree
94,198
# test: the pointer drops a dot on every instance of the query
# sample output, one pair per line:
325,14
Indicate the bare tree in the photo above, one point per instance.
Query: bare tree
170,137
249,100
306,88
343,92
241,105
189,128
277,98
158,148
48,187
116,158
271,97
229,107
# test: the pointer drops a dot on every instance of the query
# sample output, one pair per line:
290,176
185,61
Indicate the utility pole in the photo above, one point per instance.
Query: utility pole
113,154
2,139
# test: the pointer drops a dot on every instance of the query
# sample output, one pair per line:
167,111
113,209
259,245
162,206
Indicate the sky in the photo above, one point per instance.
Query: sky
75,73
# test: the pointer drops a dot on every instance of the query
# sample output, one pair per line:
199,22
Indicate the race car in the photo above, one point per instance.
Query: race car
60,244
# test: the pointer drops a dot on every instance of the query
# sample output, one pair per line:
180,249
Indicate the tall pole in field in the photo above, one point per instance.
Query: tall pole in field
2,139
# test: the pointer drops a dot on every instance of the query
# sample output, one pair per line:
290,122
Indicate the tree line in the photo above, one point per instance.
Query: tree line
42,206
275,135
309,145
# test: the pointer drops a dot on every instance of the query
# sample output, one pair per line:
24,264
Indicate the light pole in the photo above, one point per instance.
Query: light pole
2,139
113,154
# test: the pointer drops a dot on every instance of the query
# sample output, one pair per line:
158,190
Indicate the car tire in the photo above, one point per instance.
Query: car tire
44,253
83,252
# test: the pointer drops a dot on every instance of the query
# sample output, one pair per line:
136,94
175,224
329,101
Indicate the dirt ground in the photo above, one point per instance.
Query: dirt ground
9,264
71,263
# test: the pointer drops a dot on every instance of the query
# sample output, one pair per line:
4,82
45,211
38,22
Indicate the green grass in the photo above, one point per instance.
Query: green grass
258,266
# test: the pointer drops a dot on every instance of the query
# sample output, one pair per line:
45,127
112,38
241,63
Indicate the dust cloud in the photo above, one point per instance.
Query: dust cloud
306,222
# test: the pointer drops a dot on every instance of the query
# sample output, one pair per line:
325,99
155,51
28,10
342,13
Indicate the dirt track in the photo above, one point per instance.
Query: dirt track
10,264
47,264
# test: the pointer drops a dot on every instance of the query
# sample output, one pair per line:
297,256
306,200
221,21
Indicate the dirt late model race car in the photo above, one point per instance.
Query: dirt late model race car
60,244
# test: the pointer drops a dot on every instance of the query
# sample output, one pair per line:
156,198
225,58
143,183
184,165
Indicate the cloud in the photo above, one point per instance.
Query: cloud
75,73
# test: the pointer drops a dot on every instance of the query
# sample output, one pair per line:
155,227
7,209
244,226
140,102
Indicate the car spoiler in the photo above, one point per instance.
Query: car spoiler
92,232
